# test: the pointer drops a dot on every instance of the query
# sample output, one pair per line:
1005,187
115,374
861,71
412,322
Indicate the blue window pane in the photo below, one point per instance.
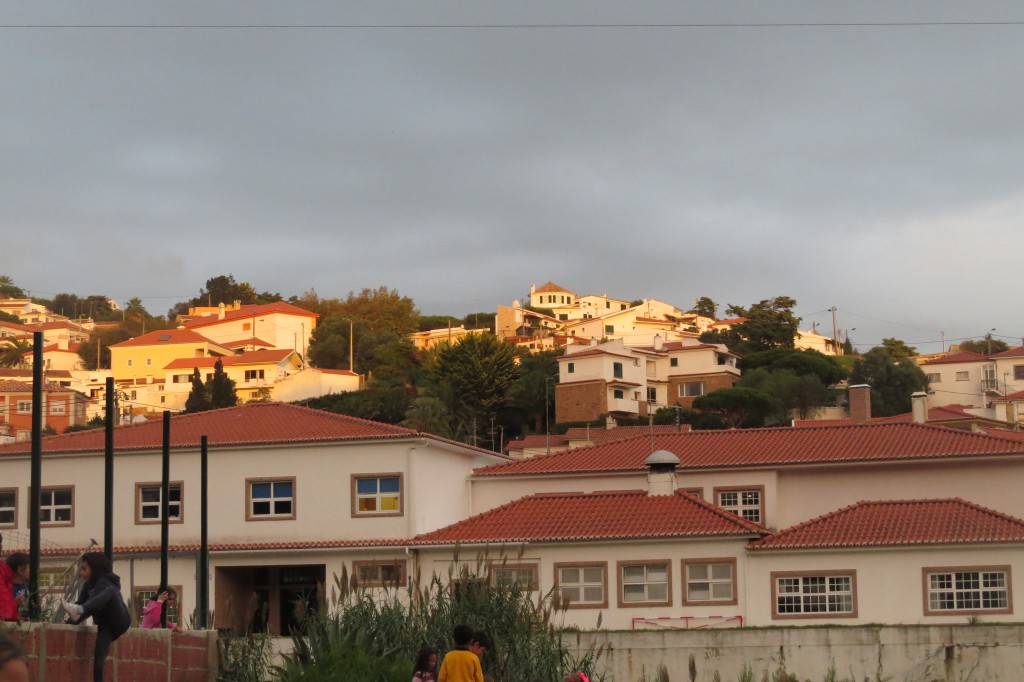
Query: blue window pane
366,486
260,490
283,489
389,485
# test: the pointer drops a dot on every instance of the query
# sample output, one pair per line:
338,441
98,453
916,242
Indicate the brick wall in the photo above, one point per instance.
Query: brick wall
62,653
580,401
712,382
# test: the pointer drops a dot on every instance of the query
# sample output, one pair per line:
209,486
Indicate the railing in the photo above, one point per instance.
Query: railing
990,384
687,622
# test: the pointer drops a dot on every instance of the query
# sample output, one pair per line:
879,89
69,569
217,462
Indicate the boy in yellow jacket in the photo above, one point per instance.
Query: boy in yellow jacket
462,664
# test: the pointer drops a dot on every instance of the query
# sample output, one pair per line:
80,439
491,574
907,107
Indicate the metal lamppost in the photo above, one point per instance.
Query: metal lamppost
547,412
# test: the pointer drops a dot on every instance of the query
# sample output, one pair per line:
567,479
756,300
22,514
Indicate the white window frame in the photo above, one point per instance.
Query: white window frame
814,594
934,378
649,583
275,499
963,376
49,507
685,389
745,502
967,589
11,511
24,406
378,497
58,407
582,583
701,577
141,504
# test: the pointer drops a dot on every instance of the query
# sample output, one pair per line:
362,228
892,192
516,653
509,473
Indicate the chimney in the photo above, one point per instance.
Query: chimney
609,423
657,342
919,400
220,311
860,404
661,475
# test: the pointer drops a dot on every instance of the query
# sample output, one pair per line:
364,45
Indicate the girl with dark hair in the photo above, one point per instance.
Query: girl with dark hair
425,668
100,599
13,664
156,607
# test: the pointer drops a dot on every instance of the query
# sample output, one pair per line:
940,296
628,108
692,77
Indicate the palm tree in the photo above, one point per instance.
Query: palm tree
12,352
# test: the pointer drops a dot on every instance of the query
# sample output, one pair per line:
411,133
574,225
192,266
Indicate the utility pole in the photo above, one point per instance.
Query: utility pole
835,333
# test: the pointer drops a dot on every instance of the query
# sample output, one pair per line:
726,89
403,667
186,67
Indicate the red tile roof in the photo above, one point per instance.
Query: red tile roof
607,515
164,337
255,357
768,447
550,287
953,358
897,523
344,372
944,413
1019,395
599,435
14,386
250,424
239,546
597,350
247,311
246,343
534,441
1015,352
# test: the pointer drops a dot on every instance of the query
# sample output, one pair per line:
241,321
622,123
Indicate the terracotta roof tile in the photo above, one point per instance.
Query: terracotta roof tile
943,413
255,357
1019,395
14,386
597,350
539,441
567,517
900,522
599,435
250,424
164,337
249,311
768,447
1015,352
550,287
953,358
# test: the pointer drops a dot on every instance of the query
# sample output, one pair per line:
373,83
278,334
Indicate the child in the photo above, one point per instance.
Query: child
101,599
462,664
13,576
157,605
13,665
425,667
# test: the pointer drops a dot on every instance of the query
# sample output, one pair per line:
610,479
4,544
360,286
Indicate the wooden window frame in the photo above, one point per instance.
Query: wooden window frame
403,572
685,586
821,615
620,579
249,516
140,521
741,489
584,564
930,570
57,524
14,523
378,514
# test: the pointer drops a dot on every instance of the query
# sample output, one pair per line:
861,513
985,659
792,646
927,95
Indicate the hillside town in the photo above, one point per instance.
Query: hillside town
831,514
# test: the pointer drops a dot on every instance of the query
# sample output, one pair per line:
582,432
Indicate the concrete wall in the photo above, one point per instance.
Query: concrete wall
960,653
61,653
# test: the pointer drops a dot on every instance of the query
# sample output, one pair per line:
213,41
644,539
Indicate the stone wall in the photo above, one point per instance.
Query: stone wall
960,653
61,653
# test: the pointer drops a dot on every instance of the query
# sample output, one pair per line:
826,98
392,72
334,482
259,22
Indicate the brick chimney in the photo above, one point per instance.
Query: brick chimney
860,403
661,476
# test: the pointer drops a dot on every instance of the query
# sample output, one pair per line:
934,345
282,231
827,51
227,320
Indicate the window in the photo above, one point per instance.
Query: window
830,594
617,394
967,590
58,407
129,362
385,573
652,395
691,389
572,367
934,378
149,362
745,502
8,507
963,376
270,499
144,594
253,374
617,370
181,378
645,584
1018,372
147,502
609,329
57,506
673,362
583,586
507,574
379,495
709,581
24,406
246,326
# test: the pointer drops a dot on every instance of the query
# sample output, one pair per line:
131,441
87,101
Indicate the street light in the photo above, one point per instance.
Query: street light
351,366
547,412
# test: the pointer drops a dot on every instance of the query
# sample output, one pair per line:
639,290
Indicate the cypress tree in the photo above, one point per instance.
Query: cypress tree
197,399
222,388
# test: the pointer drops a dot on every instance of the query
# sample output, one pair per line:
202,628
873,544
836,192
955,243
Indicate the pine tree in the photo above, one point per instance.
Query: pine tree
222,388
197,399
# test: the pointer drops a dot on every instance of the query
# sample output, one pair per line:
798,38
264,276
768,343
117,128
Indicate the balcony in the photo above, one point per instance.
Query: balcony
990,386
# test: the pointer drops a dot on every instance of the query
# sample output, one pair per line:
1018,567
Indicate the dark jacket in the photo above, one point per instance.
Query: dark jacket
102,600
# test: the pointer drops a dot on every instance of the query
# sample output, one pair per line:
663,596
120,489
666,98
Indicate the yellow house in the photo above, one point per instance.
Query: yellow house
148,355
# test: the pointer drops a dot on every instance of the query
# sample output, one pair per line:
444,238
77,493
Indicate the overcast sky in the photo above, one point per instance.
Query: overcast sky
146,147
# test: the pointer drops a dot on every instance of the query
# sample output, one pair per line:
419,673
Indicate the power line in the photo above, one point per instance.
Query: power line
518,26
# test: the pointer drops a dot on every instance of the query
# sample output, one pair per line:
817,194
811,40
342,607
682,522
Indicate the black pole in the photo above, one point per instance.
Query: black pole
108,474
34,540
165,493
204,540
